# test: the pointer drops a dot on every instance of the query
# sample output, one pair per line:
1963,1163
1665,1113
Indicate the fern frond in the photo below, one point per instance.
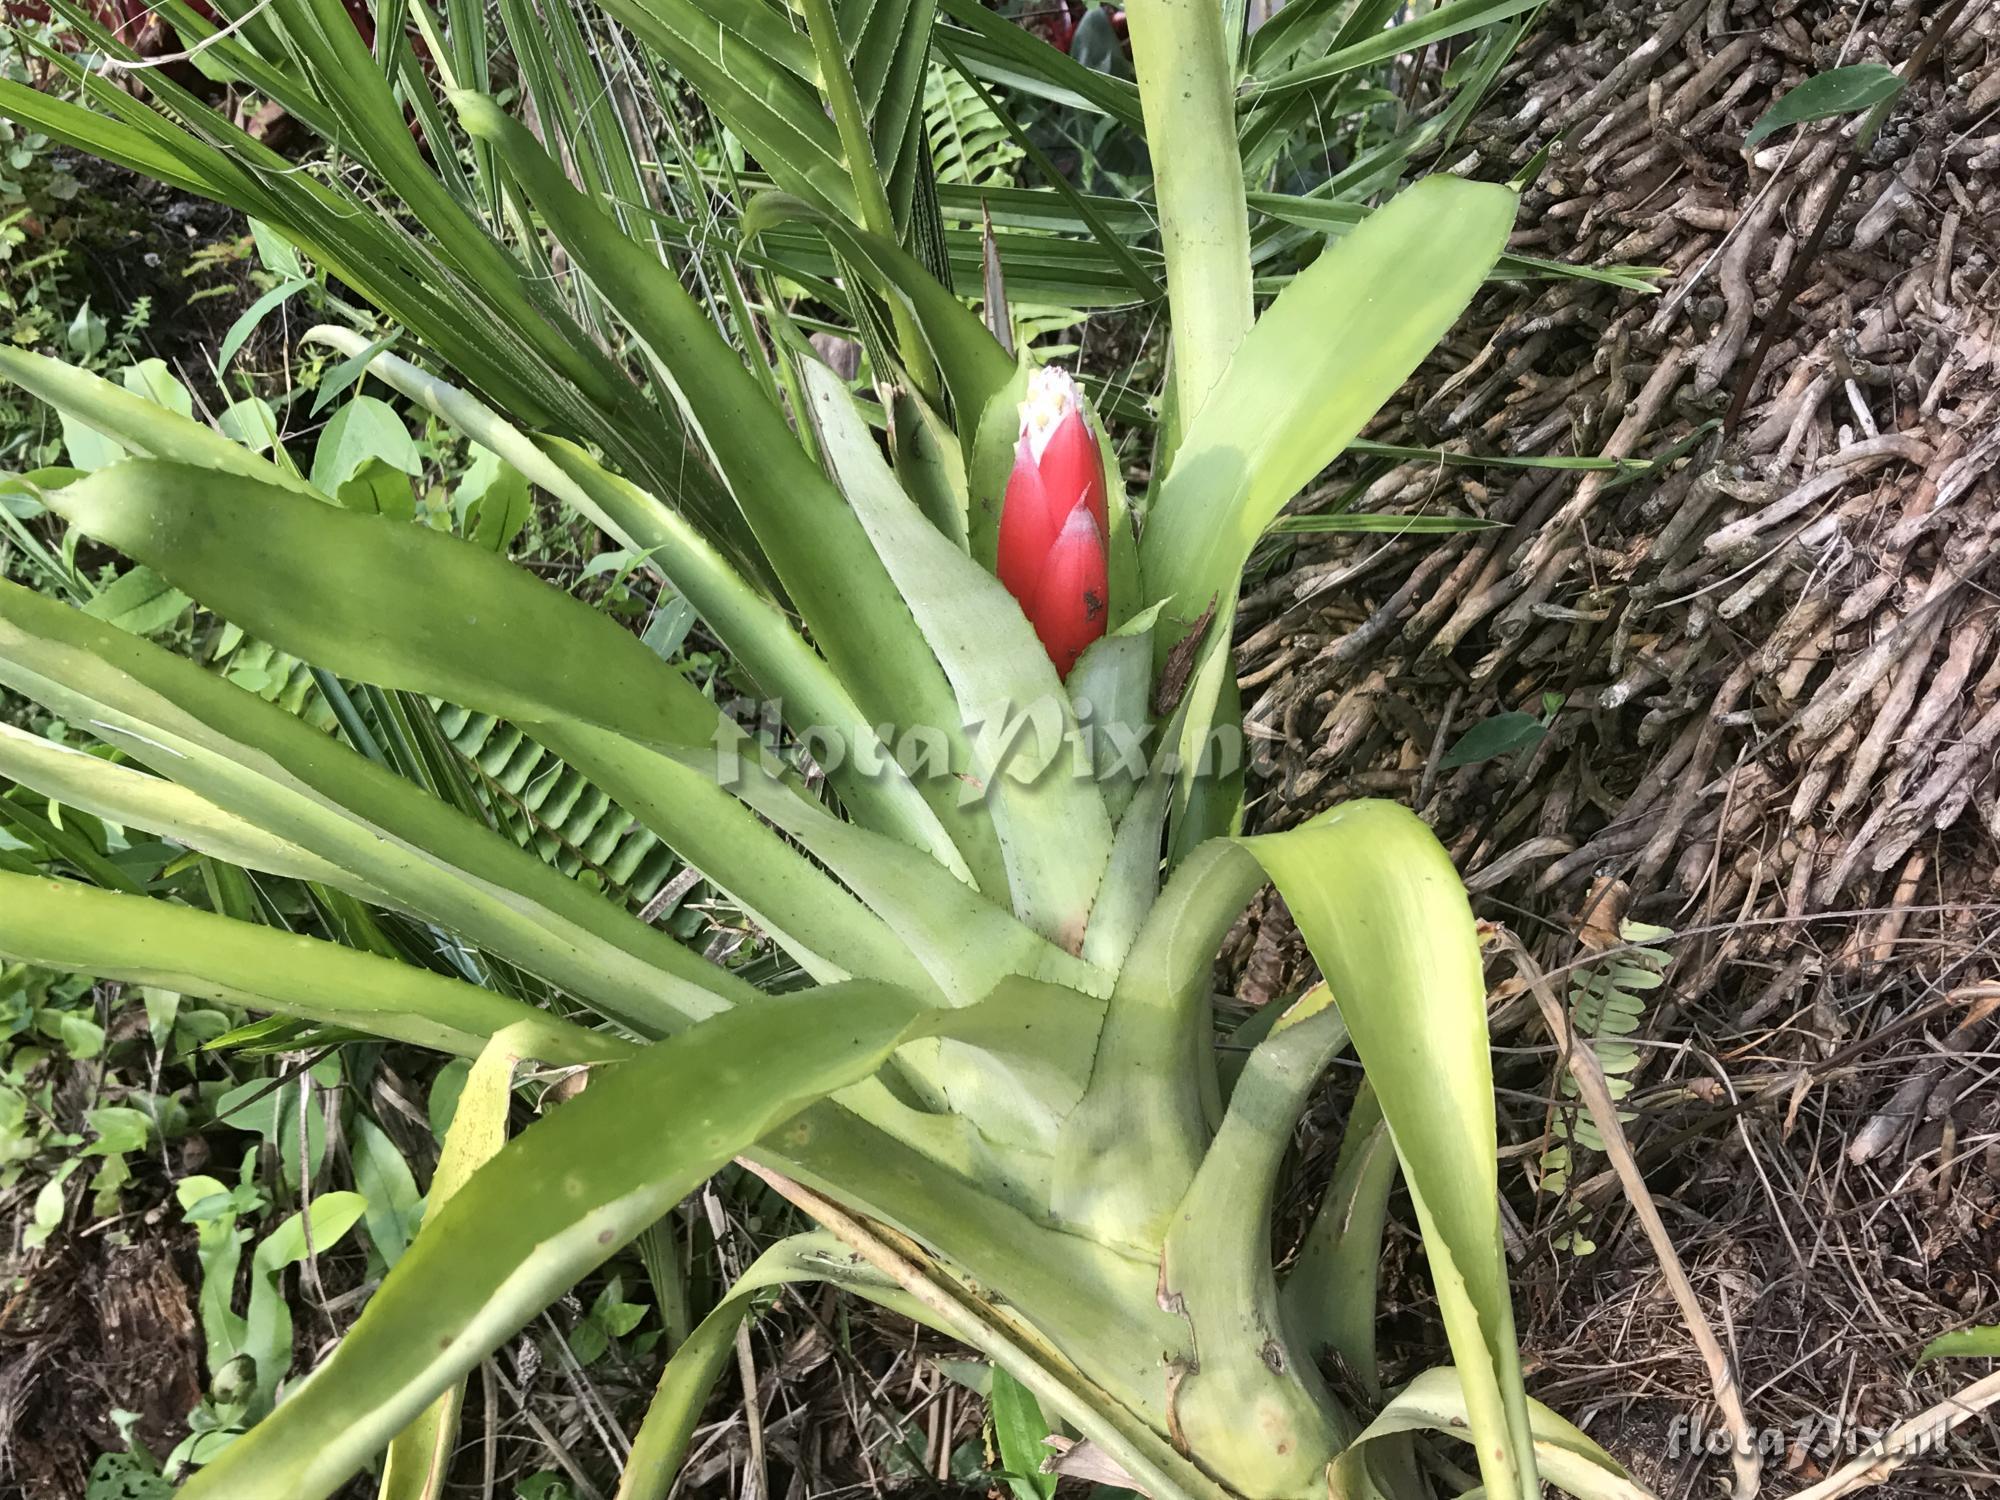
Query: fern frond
544,804
970,147
1606,1005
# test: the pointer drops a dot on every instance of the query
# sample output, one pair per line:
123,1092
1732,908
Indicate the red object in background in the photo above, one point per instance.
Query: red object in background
1054,21
1053,522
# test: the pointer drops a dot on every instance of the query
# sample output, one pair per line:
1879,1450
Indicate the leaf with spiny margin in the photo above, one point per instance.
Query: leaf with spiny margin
61,924
556,1201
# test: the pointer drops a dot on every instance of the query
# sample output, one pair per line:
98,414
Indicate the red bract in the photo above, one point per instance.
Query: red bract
1054,522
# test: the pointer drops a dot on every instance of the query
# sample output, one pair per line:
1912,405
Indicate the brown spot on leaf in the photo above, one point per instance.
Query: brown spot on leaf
1180,665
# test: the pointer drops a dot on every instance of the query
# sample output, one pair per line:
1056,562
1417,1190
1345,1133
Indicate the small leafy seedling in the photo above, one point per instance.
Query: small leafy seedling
1838,91
1502,734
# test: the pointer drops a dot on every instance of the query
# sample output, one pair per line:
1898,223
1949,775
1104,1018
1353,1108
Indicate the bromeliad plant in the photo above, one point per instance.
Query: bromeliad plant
1000,1094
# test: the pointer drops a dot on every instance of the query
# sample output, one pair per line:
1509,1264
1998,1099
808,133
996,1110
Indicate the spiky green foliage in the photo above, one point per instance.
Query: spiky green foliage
1003,1052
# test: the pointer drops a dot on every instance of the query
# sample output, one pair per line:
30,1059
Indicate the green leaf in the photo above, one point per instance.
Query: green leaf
119,1130
1444,22
756,632
1334,345
86,447
1966,1343
1489,738
267,1321
1021,1433
81,1037
750,65
47,1215
122,422
554,1202
153,381
419,1459
395,1207
975,368
1187,81
1838,91
1436,1401
1129,1151
492,501
64,925
335,382
1386,917
932,932
363,429
1001,51
141,601
250,422
247,321
1215,1268
389,603
813,543
387,839
377,488
1054,831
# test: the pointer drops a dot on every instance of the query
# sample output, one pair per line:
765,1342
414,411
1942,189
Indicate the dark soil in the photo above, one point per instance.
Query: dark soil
104,1322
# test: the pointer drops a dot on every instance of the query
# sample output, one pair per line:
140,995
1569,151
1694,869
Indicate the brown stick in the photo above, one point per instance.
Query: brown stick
1905,1441
1596,1095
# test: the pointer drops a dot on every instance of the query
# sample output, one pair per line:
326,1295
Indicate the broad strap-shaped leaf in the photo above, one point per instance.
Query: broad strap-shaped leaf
1387,920
1130,1151
553,1203
391,840
1326,354
142,940
1436,1401
132,799
403,606
367,596
1329,1294
758,634
143,428
1217,1268
1132,875
419,1459
1187,80
1102,1302
1054,831
947,935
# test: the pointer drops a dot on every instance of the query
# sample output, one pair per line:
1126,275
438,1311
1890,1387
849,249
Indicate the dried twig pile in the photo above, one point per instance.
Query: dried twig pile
1776,652
1780,674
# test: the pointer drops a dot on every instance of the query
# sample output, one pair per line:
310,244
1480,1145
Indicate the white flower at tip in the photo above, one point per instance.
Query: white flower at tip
1051,397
